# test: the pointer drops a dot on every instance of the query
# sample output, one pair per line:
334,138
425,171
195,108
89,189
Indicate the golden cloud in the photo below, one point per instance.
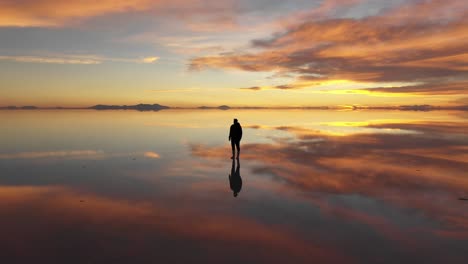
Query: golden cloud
150,59
152,155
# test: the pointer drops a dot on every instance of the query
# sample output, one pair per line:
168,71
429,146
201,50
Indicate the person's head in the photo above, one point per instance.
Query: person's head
235,120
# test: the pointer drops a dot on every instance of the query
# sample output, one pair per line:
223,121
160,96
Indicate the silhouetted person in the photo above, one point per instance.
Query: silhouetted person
235,136
235,180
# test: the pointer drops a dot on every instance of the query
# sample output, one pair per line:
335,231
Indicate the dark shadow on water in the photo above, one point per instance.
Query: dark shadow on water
235,180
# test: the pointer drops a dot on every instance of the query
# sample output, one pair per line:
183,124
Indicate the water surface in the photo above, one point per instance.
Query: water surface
153,187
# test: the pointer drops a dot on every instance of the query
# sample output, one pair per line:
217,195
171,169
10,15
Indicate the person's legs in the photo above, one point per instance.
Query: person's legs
238,147
232,147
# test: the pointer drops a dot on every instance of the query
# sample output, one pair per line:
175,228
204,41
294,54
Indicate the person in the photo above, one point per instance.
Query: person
235,180
235,136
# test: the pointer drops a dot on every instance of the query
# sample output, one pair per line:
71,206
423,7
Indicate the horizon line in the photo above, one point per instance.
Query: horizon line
157,107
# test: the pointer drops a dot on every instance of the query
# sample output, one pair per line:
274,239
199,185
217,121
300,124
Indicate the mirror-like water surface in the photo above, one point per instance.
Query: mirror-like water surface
154,187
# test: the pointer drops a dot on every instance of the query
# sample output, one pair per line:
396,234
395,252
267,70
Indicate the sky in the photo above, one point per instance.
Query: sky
233,52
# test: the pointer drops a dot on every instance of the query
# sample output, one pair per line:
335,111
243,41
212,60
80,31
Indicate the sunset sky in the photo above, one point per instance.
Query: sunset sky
233,52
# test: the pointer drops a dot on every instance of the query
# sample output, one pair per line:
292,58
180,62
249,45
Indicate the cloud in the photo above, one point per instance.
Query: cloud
53,13
463,101
445,88
418,41
326,9
196,15
54,60
324,85
75,59
253,88
174,90
284,87
150,59
152,155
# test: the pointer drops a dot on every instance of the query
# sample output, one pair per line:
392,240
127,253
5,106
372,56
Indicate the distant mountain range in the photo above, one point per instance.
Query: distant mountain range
222,107
26,107
139,107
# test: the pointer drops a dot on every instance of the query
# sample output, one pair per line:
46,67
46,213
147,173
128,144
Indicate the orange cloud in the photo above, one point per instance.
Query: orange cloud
197,15
424,41
151,154
58,12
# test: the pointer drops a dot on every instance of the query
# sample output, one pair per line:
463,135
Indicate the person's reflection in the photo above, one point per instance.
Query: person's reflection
235,180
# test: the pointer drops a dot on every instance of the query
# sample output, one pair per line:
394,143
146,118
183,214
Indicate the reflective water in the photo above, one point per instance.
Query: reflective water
153,187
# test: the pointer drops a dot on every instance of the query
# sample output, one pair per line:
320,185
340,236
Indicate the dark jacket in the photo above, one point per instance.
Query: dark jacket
235,133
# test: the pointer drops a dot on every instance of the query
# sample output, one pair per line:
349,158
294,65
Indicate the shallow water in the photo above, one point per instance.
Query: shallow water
90,186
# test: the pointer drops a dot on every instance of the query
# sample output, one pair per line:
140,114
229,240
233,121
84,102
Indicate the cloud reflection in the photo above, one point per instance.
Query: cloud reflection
422,172
78,154
89,228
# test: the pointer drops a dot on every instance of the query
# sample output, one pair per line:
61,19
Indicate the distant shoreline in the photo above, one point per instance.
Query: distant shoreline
157,107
